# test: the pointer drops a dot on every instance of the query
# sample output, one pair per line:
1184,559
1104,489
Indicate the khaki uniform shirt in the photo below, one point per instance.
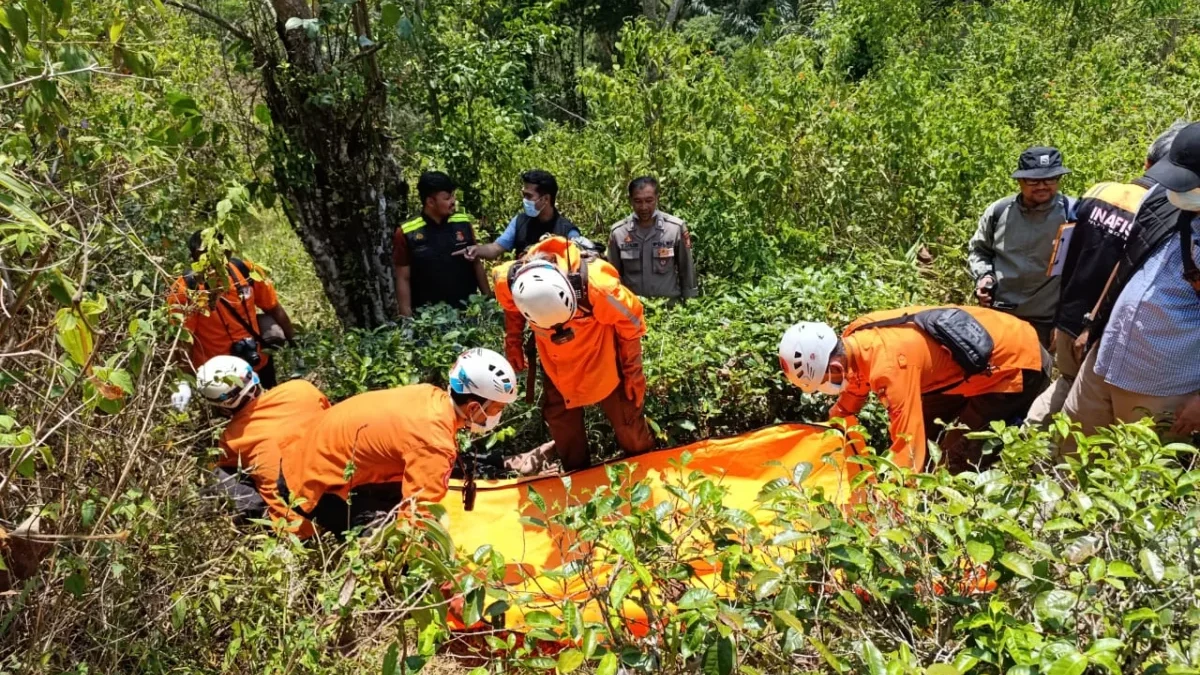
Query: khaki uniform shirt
655,261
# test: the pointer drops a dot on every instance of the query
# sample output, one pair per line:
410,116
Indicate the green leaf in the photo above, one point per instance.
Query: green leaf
1121,569
833,661
536,499
718,659
389,15
391,660
1071,664
76,584
873,658
1105,645
694,598
980,552
539,619
608,665
263,114
115,31
1152,565
802,470
1054,605
1018,564
790,620
765,583
589,642
569,661
787,537
942,669
620,588
1140,614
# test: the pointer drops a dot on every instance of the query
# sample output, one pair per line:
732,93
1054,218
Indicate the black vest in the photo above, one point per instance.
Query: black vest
530,230
1157,219
436,274
1103,223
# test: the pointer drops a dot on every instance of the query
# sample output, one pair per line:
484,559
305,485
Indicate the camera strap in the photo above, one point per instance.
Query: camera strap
243,322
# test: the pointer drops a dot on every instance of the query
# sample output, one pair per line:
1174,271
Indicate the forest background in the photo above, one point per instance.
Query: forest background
831,158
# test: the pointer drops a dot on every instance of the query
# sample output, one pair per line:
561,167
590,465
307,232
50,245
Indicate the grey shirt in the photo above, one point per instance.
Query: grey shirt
1017,251
654,261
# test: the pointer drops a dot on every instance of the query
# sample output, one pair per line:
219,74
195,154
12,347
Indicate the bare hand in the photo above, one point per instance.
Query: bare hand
1187,417
983,290
469,253
1079,347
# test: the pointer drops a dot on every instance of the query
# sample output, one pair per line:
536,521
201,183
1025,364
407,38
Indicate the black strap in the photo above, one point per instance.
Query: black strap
998,213
1191,273
245,323
886,323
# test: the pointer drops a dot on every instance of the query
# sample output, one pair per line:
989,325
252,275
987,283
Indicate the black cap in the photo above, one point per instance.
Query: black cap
1180,172
1040,162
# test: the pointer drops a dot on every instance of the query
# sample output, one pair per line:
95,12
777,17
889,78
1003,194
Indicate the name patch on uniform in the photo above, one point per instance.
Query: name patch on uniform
631,251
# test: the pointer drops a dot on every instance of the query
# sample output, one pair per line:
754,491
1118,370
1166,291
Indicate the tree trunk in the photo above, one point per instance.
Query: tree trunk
650,10
333,167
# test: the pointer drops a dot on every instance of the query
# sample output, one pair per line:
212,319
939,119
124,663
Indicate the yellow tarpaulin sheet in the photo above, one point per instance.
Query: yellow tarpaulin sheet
742,464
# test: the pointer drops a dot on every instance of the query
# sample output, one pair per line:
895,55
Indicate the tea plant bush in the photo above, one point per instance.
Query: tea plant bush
1034,566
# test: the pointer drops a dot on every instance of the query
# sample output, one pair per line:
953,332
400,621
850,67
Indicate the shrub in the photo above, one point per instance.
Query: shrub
1033,566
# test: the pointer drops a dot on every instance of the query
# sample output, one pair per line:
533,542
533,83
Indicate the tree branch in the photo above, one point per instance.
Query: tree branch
200,11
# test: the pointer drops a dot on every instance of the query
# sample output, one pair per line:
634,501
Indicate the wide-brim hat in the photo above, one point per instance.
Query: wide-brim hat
1040,162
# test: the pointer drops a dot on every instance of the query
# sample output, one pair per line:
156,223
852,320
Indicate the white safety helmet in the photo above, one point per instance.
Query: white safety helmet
543,294
804,354
484,373
227,381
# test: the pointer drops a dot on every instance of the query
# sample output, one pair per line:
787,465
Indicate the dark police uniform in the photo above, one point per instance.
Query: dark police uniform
428,247
655,261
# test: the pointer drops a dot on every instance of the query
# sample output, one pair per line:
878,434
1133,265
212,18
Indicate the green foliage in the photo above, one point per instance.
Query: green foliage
1034,566
814,147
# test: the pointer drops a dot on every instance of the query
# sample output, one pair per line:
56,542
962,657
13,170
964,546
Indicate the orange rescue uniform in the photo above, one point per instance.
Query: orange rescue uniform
405,436
901,363
585,368
251,440
215,331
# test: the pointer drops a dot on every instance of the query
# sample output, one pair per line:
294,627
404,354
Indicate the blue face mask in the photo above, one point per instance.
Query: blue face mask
531,208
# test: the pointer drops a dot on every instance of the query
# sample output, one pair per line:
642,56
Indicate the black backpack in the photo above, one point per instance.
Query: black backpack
969,343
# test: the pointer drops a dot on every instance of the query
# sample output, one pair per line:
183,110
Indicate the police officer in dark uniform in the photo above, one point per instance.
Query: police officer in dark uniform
539,217
428,251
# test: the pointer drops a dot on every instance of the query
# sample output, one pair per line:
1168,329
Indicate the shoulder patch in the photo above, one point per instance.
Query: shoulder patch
461,218
624,222
413,225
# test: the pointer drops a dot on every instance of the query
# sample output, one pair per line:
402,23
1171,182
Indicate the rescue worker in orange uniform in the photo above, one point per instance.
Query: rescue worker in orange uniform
222,314
257,421
588,329
371,451
918,379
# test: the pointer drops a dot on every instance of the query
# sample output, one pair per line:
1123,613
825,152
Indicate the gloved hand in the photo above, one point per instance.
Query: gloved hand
181,397
514,345
629,356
